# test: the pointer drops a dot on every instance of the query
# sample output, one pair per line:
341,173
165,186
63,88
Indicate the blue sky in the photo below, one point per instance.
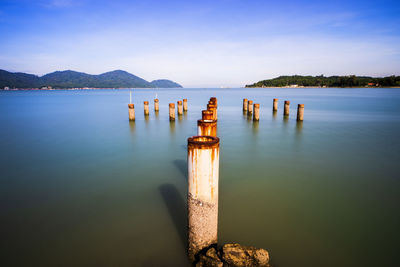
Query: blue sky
202,43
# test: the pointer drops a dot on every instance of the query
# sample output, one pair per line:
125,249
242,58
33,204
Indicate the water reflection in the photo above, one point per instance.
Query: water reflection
176,209
132,127
274,114
172,127
181,165
156,113
299,129
255,127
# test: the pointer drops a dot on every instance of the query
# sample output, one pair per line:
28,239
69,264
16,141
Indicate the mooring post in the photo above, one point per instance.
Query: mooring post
250,107
146,107
171,111
286,108
131,109
245,104
207,115
207,127
203,176
213,108
185,105
275,105
156,105
180,108
214,101
300,112
256,114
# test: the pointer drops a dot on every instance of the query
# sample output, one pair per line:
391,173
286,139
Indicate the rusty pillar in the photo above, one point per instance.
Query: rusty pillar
214,101
250,107
180,108
207,127
203,176
256,114
300,112
286,108
275,105
156,105
185,105
131,109
146,107
245,104
213,108
207,115
171,111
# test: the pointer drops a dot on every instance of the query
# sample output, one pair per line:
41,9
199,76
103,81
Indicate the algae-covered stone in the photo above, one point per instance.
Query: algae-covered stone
210,259
242,256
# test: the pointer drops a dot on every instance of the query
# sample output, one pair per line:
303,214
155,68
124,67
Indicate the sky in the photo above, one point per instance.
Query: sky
218,43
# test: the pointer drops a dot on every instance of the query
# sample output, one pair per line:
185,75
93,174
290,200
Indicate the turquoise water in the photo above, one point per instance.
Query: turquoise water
82,186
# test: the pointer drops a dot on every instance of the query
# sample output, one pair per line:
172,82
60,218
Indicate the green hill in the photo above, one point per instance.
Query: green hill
332,81
74,79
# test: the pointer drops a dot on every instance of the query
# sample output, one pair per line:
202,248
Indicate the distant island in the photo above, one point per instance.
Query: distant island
331,81
74,79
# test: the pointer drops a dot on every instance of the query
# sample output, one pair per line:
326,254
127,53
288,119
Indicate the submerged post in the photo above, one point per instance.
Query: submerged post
185,105
214,101
207,128
146,107
286,108
245,104
156,105
207,115
180,108
300,112
275,105
131,109
256,114
203,176
171,111
250,107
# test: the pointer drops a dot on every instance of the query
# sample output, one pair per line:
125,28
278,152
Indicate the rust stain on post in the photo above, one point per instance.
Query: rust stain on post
207,128
146,107
300,112
286,108
156,105
171,111
275,105
256,114
203,176
131,109
185,107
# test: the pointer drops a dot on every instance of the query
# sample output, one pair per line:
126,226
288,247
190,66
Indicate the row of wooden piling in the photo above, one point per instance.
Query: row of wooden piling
182,107
248,108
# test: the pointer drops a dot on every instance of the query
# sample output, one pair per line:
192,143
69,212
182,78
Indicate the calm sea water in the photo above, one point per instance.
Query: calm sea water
82,186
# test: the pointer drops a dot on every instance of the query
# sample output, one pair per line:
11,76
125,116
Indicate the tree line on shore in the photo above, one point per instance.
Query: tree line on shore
331,81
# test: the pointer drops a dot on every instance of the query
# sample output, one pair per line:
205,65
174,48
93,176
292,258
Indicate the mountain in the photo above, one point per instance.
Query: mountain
74,79
164,84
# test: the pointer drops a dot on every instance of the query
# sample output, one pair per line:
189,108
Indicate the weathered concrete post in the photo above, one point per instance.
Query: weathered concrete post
146,107
207,115
245,104
300,112
185,105
250,107
275,105
171,111
180,108
203,176
286,108
131,109
156,105
213,108
207,127
256,114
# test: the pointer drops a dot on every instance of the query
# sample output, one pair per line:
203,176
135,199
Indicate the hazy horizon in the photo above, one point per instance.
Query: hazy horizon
209,44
